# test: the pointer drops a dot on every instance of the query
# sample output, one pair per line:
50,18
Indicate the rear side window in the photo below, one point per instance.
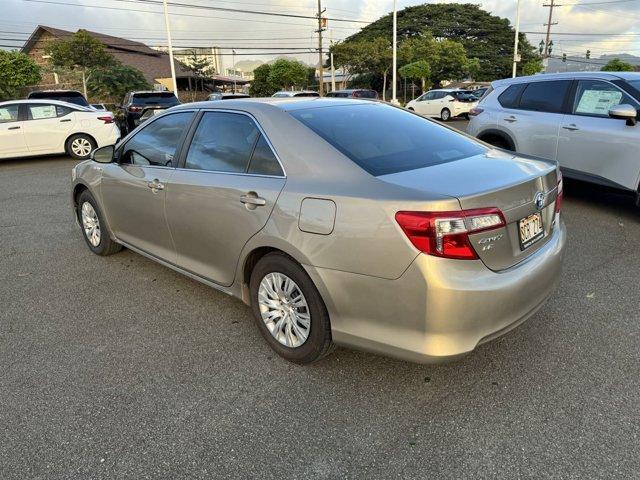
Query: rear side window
263,160
509,98
544,96
383,140
156,144
62,111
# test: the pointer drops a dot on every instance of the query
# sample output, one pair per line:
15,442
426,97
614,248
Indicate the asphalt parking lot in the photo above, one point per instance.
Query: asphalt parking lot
120,368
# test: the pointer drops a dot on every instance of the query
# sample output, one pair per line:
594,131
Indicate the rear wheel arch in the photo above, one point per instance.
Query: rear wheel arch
498,138
77,191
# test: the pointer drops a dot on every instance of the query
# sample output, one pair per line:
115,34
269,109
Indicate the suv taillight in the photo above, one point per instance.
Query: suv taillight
560,195
476,111
133,108
446,234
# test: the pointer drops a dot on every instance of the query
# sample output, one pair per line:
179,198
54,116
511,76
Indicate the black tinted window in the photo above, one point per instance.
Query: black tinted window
159,98
366,94
156,144
263,161
62,111
509,98
383,139
223,142
544,96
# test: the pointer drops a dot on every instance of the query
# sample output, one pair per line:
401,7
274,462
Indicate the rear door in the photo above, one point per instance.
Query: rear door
223,194
533,117
592,143
12,142
47,127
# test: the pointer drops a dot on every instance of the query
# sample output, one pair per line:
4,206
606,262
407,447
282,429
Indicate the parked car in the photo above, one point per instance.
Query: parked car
227,96
135,102
479,92
69,96
147,114
586,121
444,103
354,222
99,106
42,127
302,93
354,93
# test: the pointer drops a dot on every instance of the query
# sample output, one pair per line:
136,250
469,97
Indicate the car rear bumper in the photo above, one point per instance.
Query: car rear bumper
439,309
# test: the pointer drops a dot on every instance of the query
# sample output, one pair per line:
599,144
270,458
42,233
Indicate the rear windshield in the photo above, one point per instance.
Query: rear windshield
307,94
365,94
383,139
70,97
156,98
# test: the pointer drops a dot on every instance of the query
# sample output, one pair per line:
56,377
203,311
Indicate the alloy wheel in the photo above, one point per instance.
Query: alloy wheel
284,309
90,224
81,147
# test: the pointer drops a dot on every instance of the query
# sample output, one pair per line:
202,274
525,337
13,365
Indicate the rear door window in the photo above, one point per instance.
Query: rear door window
41,111
545,96
384,140
263,160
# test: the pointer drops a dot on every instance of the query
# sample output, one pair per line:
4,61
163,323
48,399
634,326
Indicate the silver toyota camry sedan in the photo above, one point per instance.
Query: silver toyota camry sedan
339,222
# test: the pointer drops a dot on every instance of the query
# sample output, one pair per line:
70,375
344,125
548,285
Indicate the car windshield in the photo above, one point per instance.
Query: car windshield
383,139
160,98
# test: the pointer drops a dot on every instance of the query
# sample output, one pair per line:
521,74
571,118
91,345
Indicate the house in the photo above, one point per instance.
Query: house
152,63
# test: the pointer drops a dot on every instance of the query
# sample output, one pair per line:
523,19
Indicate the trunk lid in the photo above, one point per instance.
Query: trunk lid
518,186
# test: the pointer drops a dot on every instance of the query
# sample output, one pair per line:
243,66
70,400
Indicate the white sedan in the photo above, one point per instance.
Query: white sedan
444,103
43,127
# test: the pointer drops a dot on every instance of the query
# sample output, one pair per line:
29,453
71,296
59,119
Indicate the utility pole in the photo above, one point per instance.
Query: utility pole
394,98
333,69
233,71
173,67
516,57
320,55
548,25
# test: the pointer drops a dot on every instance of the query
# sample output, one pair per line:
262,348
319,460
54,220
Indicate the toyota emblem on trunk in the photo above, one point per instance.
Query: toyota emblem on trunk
539,199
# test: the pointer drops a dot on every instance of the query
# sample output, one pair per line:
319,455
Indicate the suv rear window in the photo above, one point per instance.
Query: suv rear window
383,139
545,96
155,98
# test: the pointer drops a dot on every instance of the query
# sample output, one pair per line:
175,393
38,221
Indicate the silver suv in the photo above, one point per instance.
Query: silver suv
585,121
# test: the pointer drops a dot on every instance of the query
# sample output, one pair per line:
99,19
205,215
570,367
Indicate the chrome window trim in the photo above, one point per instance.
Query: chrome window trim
260,129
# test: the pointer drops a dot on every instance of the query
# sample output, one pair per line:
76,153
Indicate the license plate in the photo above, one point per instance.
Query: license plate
530,230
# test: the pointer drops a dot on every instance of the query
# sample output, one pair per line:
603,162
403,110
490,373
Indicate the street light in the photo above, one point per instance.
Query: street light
173,67
394,98
516,57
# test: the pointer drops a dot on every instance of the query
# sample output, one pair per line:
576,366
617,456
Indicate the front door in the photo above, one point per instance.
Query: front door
12,141
592,143
47,127
222,195
134,189
423,102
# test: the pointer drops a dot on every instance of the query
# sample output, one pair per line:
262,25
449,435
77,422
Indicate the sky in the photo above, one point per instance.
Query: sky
251,34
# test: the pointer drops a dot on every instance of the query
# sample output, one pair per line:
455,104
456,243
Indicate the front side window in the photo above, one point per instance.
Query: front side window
41,112
156,144
595,98
9,113
385,140
430,96
223,142
544,96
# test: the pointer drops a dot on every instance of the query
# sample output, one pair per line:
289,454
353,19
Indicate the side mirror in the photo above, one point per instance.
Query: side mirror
103,154
625,112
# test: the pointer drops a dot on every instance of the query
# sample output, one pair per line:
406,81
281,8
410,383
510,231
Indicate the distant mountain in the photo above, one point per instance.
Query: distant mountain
581,64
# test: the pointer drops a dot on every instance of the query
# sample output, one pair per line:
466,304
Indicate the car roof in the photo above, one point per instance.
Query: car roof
46,100
354,90
567,76
151,91
56,91
271,103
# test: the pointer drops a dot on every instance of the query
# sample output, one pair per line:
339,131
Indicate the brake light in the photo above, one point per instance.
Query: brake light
133,108
560,195
446,234
106,119
476,111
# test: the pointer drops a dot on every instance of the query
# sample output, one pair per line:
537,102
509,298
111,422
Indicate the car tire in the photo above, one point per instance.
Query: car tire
80,146
287,306
445,115
94,229
411,109
498,142
466,116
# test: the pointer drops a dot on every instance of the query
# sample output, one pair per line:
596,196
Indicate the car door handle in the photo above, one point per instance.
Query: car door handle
65,120
511,119
155,185
570,127
253,199
13,128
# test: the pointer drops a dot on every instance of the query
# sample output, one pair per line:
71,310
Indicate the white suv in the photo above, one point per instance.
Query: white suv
586,121
444,103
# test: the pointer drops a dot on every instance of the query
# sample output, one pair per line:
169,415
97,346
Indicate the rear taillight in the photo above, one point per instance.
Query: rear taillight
560,195
454,99
106,119
476,111
446,234
133,108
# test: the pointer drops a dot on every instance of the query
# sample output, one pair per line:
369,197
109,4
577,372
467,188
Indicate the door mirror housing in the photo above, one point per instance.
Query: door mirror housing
625,112
103,154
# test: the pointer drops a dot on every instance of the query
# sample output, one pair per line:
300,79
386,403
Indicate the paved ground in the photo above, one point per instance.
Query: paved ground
120,368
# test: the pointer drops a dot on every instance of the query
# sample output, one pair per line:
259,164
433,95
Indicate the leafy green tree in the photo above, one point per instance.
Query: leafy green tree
473,68
617,65
114,83
17,70
260,85
80,52
419,70
285,74
484,36
532,67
